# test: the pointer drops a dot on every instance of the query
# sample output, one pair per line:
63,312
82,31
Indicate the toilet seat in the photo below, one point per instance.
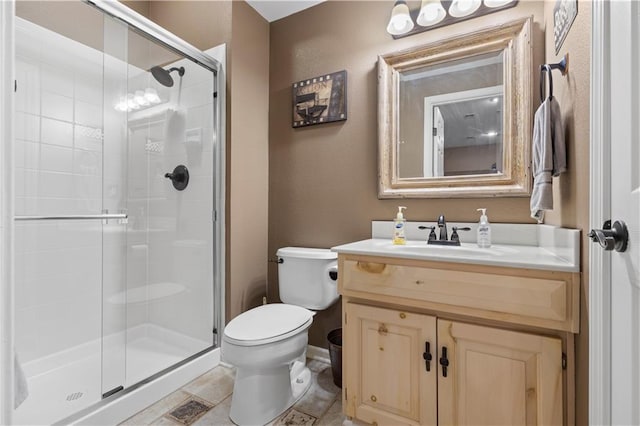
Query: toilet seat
267,324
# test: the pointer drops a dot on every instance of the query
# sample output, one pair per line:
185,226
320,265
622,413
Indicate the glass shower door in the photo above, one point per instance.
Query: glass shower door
60,166
168,107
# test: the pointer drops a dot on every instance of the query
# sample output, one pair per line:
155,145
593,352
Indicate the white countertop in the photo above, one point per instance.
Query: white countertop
516,246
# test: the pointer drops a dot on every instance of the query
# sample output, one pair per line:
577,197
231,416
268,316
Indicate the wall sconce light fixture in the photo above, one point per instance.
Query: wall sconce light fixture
438,13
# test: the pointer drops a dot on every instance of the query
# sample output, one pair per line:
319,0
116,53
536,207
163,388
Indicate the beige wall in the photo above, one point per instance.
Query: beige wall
323,178
472,159
249,164
140,6
204,24
571,190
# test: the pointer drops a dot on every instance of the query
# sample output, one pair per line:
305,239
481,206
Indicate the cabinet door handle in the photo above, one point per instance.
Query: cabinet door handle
426,355
444,362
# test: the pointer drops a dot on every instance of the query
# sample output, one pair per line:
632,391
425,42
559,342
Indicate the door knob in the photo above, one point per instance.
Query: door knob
614,237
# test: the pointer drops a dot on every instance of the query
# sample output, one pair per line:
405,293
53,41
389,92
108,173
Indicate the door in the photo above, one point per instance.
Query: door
433,164
168,293
624,280
488,376
387,378
62,143
438,143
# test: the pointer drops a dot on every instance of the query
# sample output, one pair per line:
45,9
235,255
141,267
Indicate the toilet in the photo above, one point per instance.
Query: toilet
268,344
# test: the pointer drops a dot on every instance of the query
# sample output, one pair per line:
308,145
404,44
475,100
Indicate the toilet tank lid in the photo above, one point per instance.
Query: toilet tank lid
306,253
267,321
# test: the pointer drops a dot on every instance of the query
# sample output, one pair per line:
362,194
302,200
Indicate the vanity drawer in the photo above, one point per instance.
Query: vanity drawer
546,299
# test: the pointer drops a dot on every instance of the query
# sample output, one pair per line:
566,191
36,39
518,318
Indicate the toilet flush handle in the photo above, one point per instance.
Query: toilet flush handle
333,272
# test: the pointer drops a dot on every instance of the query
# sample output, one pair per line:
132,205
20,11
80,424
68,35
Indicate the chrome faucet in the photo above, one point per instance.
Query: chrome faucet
442,224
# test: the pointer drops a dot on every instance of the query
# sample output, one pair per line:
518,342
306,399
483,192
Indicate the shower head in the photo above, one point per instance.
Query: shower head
163,76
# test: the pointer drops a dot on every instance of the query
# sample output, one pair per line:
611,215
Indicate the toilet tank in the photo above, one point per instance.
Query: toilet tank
307,277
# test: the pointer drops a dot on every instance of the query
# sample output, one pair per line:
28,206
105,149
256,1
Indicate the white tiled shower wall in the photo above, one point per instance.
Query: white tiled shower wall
58,161
76,155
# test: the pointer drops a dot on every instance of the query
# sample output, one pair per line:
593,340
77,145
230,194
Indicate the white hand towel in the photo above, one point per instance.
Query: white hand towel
549,156
21,391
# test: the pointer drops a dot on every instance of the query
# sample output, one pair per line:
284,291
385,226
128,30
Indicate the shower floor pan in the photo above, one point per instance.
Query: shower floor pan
69,381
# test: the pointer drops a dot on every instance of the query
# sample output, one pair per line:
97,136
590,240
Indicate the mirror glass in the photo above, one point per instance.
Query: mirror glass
451,118
454,116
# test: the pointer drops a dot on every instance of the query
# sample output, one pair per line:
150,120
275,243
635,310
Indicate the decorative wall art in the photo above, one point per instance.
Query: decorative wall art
564,13
320,99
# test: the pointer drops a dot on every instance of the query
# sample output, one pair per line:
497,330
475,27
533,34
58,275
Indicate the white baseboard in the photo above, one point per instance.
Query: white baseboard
226,364
317,353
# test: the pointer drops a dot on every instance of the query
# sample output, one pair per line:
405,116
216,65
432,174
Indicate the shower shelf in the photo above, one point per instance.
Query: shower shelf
149,293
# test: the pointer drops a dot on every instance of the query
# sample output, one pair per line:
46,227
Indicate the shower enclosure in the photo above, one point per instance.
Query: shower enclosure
117,249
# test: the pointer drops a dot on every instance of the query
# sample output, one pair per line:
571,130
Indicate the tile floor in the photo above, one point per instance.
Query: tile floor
206,401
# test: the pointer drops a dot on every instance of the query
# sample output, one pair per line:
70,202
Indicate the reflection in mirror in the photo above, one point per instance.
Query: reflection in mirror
454,116
451,118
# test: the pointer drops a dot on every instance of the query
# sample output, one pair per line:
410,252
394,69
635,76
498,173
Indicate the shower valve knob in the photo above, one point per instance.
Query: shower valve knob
179,177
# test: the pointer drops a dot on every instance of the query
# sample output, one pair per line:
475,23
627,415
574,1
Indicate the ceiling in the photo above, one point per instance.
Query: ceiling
272,10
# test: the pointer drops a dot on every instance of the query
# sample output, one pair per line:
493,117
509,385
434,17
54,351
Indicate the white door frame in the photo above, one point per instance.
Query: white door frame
6,210
599,211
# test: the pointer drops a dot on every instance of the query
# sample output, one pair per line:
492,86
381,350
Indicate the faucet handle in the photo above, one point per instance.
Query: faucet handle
454,234
432,234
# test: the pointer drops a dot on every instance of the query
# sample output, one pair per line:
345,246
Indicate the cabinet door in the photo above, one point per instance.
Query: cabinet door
498,377
386,376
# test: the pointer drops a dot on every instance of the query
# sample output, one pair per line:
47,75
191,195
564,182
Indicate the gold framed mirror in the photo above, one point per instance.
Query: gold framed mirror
454,116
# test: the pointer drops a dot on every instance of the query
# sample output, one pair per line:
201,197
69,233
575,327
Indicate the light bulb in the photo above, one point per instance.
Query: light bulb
464,5
140,99
122,105
400,21
431,13
131,102
496,3
152,96
461,8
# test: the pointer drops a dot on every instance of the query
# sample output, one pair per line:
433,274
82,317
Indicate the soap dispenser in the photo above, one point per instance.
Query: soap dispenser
484,230
398,228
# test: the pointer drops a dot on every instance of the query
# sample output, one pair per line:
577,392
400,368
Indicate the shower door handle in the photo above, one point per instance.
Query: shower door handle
105,216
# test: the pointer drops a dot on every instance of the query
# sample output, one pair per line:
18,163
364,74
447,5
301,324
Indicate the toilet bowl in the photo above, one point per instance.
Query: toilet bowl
268,344
270,371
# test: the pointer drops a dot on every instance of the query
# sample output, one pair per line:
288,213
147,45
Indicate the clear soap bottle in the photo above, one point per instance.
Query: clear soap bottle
398,228
484,230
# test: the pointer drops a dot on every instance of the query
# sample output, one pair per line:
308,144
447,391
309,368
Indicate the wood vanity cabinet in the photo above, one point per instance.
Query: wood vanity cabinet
383,366
408,360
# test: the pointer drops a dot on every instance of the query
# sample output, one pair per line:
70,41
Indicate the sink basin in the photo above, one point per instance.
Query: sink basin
465,249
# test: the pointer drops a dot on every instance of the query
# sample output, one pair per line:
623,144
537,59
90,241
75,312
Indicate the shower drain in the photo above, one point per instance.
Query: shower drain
74,396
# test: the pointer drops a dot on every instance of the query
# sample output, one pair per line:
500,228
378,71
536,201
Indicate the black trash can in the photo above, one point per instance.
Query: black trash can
335,354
